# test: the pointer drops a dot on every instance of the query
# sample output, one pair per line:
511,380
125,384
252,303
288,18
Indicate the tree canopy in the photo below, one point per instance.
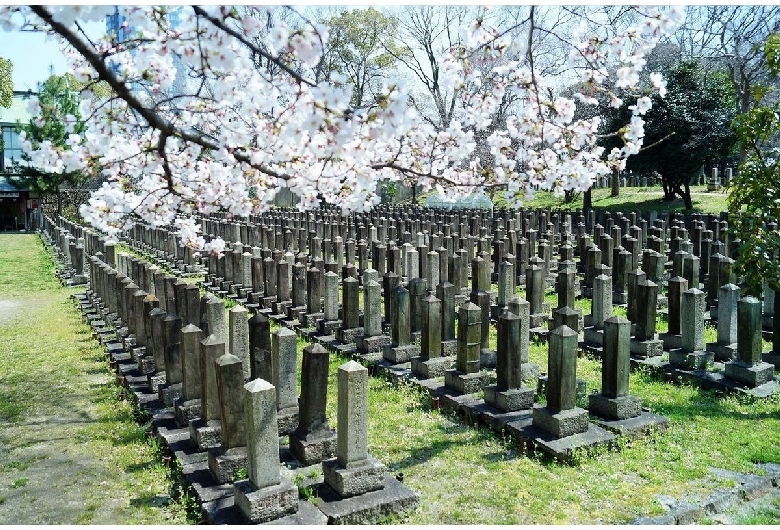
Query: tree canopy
57,124
754,199
253,116
689,126
6,83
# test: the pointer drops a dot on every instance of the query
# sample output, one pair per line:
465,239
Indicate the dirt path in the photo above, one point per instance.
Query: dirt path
70,450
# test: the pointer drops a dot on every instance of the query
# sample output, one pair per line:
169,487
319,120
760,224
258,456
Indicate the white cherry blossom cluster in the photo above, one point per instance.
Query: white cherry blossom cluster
251,121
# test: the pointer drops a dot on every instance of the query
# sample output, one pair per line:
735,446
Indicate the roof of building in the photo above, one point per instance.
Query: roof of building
6,186
17,111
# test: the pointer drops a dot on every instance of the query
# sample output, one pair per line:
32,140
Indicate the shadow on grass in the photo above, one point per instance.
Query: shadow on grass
150,501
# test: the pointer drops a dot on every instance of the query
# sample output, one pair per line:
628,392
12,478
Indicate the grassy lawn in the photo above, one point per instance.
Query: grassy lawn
470,475
71,451
629,199
463,474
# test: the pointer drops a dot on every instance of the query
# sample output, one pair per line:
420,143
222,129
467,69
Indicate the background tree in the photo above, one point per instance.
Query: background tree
686,128
357,48
731,38
6,83
754,199
58,125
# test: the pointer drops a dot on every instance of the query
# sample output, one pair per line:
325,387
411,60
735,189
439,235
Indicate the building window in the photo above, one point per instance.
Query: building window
12,149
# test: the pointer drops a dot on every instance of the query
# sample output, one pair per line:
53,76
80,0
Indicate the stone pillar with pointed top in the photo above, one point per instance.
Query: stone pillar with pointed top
561,416
466,377
330,321
372,341
313,440
446,292
354,471
673,337
614,401
748,367
231,455
645,342
265,495
284,360
238,324
400,349
601,309
509,393
521,308
206,431
187,406
725,349
350,326
169,392
535,285
430,362
691,354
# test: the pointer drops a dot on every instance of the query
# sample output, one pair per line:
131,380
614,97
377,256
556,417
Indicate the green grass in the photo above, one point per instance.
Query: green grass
470,475
84,458
629,199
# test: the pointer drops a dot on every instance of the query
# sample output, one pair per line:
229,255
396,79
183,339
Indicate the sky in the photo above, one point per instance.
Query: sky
32,56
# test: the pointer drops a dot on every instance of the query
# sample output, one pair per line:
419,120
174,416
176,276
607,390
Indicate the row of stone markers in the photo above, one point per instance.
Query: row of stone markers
639,289
349,334
559,427
280,279
221,413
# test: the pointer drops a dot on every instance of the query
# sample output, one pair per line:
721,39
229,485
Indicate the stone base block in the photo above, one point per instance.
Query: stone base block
619,408
449,347
646,348
138,353
671,340
773,359
594,336
510,400
225,464
287,420
560,423
267,301
352,481
751,375
465,383
265,504
722,352
205,435
642,425
294,313
186,411
529,371
328,327
691,360
619,297
372,344
487,358
348,336
431,368
309,452
400,354
538,320
169,393
254,298
280,308
146,365
309,320
155,380
369,508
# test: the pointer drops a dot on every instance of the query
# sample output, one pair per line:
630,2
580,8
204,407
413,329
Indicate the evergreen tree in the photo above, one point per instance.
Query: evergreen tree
58,120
